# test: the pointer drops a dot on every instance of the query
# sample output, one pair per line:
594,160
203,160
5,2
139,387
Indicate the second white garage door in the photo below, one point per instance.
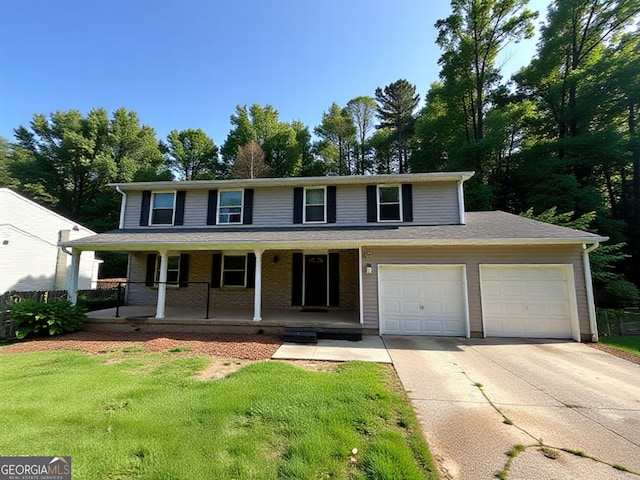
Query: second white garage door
422,299
535,301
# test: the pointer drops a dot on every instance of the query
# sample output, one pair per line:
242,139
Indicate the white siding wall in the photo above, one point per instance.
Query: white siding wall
29,259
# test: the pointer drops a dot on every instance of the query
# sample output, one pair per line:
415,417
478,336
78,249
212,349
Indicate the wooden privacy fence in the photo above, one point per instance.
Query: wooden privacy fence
7,329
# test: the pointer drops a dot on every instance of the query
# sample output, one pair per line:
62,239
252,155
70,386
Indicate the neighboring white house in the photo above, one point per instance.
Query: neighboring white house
30,258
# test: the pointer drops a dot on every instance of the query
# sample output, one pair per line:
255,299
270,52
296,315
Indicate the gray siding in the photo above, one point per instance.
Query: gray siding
132,210
273,207
351,205
433,204
472,258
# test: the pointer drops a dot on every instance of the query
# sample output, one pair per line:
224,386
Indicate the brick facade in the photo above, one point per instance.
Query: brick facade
276,283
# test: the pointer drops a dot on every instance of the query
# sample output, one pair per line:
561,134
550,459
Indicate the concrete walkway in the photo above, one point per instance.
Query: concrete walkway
370,349
477,399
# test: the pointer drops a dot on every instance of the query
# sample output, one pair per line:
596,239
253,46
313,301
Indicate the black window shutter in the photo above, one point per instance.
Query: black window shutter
331,204
216,270
184,270
180,197
372,204
151,270
334,279
247,214
251,270
212,207
144,210
298,194
407,203
296,279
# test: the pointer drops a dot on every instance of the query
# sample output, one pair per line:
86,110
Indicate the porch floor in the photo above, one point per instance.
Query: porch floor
192,319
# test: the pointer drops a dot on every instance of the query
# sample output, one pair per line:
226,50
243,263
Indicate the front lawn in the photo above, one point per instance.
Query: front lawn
628,343
136,415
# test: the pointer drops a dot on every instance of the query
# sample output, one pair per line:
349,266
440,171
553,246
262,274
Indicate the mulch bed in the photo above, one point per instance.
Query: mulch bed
248,347
613,351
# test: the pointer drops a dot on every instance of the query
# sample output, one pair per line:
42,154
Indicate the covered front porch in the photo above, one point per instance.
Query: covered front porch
221,320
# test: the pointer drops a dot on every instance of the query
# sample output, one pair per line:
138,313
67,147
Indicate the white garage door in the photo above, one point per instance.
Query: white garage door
422,300
527,300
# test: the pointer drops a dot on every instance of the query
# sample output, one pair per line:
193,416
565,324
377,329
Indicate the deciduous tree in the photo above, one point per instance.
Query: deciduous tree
249,162
191,154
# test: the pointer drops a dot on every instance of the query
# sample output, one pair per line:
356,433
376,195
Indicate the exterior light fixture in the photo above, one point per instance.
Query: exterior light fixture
368,269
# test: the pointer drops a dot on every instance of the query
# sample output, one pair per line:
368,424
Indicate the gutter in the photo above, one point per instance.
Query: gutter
461,202
589,285
123,206
330,243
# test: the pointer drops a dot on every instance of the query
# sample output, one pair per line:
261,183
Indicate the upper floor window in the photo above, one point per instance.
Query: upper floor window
230,206
389,203
163,207
315,204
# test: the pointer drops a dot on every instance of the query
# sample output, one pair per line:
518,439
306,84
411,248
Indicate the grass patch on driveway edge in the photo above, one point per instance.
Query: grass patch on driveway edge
627,343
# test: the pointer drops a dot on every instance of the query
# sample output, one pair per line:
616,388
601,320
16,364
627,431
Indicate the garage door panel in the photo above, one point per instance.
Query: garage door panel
390,307
392,325
412,326
526,301
430,299
411,307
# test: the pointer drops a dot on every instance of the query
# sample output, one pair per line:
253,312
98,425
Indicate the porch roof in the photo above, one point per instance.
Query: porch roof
482,228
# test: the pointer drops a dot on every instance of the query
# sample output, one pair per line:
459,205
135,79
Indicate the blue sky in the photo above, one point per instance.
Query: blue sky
187,64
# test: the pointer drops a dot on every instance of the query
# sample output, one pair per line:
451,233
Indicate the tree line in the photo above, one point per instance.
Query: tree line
562,133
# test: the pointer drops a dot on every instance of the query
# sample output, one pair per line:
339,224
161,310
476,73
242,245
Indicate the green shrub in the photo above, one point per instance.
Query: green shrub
92,304
31,317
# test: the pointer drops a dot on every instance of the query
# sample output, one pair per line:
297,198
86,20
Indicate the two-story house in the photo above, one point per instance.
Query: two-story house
397,251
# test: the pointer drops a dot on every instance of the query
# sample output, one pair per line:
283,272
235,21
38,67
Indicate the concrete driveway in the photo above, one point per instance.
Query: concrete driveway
558,397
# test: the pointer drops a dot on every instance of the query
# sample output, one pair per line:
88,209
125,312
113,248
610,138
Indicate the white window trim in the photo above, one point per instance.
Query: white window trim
156,275
304,205
151,208
399,187
246,267
220,192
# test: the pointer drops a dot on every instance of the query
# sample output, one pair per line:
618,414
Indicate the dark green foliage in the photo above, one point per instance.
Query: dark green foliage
54,318
621,293
396,105
337,134
278,140
93,304
65,161
191,154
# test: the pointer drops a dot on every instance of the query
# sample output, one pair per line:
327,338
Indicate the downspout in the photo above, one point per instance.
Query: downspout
461,202
123,206
589,284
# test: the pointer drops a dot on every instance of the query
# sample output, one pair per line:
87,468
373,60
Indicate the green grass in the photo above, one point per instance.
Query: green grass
135,415
628,343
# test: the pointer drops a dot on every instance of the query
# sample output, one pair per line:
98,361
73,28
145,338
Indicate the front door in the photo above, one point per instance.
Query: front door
315,281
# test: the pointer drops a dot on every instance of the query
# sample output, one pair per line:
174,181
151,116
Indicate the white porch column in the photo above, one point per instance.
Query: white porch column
162,284
72,276
257,299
